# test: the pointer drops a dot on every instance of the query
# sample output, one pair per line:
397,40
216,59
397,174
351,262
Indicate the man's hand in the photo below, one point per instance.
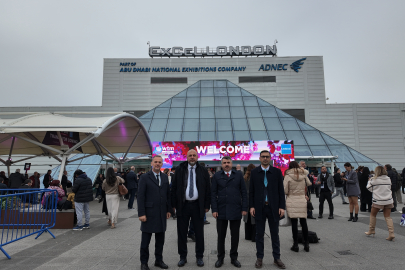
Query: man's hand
168,215
215,214
306,197
244,213
206,210
281,212
142,218
252,212
318,182
344,179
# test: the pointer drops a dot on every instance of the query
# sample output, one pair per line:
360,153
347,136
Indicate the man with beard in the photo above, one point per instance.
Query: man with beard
327,185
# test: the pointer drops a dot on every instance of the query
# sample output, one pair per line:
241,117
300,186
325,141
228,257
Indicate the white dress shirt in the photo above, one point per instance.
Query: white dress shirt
195,191
226,173
265,169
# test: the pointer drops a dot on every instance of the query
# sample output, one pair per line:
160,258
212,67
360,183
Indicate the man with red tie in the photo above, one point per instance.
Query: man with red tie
228,203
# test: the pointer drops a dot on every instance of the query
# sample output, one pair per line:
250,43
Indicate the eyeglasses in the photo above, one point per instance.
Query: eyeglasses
265,156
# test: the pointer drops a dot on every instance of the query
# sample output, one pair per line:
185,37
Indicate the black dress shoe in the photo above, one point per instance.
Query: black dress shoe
279,263
161,264
206,222
144,267
236,263
345,203
219,263
320,216
192,237
330,217
200,262
311,217
182,262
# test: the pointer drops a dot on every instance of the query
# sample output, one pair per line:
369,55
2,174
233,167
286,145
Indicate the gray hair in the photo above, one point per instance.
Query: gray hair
301,161
132,168
156,157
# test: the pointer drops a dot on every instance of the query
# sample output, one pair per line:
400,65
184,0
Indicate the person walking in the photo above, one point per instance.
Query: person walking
327,187
393,176
16,180
83,190
98,186
337,179
64,181
353,191
295,182
366,196
47,179
267,201
132,185
190,200
153,211
380,186
250,225
398,194
403,180
112,196
229,203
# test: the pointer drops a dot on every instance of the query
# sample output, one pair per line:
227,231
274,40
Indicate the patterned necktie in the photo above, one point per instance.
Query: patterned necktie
227,174
265,181
191,190
158,178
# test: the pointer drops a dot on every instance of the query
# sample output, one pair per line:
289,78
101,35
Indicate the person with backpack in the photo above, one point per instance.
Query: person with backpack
83,189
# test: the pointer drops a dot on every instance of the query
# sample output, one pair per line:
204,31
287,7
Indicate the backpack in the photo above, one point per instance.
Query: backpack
312,237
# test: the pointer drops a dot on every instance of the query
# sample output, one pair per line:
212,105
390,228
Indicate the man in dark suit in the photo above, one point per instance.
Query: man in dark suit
132,185
64,182
47,179
153,210
229,203
267,201
191,200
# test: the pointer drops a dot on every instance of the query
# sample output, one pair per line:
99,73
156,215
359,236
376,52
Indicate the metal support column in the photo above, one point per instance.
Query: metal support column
62,166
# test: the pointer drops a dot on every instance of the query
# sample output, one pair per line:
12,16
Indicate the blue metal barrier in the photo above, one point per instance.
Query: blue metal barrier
25,212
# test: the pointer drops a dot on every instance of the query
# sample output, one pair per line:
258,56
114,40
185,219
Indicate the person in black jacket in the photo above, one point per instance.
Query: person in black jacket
403,180
16,180
337,178
47,179
64,181
267,201
2,186
366,196
190,200
229,203
132,186
83,189
393,176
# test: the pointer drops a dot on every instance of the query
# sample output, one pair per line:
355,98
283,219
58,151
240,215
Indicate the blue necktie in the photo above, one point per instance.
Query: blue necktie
191,190
265,181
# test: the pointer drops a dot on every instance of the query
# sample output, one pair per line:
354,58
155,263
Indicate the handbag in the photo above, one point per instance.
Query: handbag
122,189
310,207
285,222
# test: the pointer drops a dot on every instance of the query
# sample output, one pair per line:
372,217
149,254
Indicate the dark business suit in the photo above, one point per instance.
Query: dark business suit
154,202
132,185
228,199
263,211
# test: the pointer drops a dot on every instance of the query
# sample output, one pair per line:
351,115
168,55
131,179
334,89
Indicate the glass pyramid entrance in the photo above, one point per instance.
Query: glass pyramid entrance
218,110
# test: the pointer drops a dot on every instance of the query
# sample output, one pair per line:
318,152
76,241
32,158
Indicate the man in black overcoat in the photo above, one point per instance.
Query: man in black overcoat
229,203
190,200
153,210
132,185
267,201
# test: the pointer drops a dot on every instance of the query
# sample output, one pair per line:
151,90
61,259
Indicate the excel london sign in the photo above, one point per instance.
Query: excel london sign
257,50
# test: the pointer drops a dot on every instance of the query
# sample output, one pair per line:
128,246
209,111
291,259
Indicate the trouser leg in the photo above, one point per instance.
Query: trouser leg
248,228
159,242
275,240
304,226
86,210
131,192
394,197
191,229
145,247
399,195
198,224
328,197
260,237
182,227
234,226
79,213
321,202
222,226
294,229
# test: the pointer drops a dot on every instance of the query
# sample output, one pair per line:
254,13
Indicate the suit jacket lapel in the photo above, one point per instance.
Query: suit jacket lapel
230,178
153,178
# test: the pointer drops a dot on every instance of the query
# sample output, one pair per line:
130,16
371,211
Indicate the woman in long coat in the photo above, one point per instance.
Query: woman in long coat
250,224
366,195
295,181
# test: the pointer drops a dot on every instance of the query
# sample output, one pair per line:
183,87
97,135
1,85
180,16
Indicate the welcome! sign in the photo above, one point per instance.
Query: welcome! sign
282,152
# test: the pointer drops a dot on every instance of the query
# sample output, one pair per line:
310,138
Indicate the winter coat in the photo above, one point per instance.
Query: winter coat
366,195
132,180
392,175
294,188
83,188
246,218
352,184
16,180
381,189
111,190
61,194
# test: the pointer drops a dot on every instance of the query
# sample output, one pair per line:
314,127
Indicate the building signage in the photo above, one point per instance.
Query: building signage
131,67
68,138
282,152
220,51
296,66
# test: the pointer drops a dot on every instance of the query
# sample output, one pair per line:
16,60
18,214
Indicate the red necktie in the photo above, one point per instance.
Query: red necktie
227,174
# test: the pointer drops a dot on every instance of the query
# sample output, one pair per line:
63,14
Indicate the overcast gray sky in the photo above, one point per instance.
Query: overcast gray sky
51,52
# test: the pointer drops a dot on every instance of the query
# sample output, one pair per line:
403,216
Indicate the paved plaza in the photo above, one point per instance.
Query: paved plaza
103,248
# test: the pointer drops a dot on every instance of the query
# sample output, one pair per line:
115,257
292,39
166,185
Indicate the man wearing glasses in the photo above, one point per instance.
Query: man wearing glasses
267,201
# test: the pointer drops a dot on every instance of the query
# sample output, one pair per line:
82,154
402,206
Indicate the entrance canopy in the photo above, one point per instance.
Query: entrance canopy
58,136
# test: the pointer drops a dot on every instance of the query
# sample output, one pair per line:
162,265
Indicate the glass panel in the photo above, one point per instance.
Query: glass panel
313,137
296,136
207,83
178,102
224,135
148,114
192,113
182,94
329,140
207,101
173,136
92,160
272,124
282,114
146,123
174,125
301,150
190,136
161,112
259,135
90,170
229,84
269,111
253,112
256,124
342,152
190,125
320,150
221,101
207,136
234,92
240,124
222,112
235,101
250,101
193,102
176,113
75,157
220,92
237,112
219,83
245,93
193,92
207,92
207,124
158,125
223,124
156,136
276,135
359,157
207,112
289,124
263,103
196,85
371,166
241,135
304,126
166,104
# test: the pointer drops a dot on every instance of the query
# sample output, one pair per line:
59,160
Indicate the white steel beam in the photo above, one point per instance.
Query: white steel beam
132,143
38,144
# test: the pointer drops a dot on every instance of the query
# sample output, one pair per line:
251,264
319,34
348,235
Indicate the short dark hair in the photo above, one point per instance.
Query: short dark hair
347,164
173,169
264,151
27,181
388,166
202,164
226,157
78,172
49,170
323,166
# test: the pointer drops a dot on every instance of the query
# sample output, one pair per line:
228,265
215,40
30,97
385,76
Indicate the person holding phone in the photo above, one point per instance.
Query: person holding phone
353,190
